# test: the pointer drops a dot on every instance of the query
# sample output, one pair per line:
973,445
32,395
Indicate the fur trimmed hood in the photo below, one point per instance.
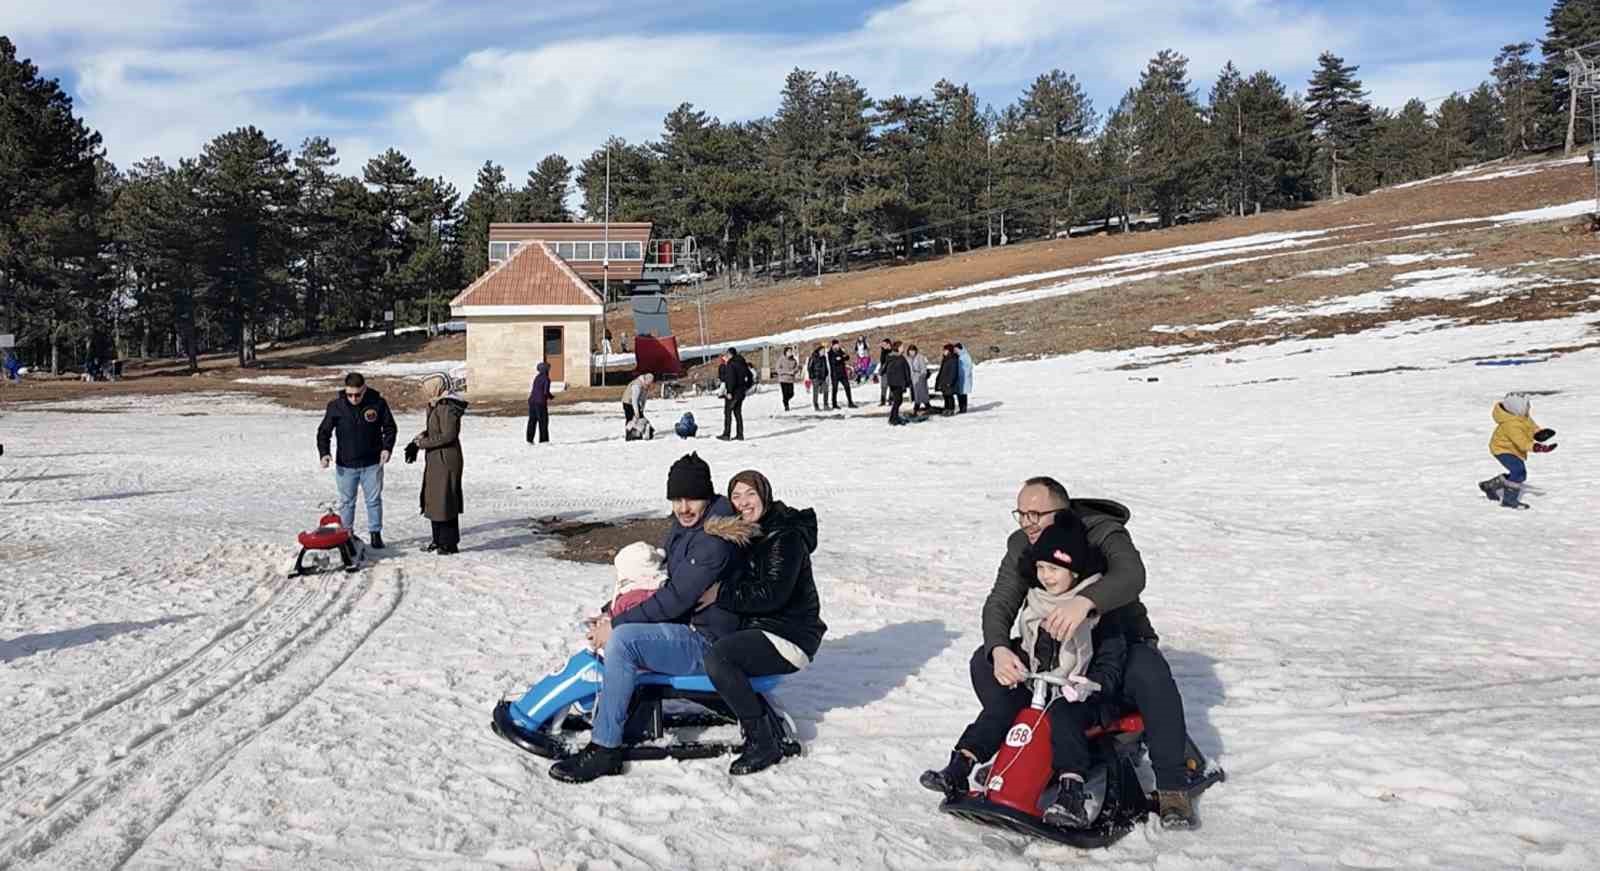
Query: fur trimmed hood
734,529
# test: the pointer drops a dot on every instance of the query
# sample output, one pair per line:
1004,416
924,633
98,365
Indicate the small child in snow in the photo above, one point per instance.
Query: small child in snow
1515,434
1091,661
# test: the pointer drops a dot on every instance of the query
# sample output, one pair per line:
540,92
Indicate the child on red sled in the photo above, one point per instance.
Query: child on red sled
1091,660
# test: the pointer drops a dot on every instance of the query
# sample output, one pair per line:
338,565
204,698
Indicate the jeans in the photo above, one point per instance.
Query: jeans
370,480
668,648
1516,469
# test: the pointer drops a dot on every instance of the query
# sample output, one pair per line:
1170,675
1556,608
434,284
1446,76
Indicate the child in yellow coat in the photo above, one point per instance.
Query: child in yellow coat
1515,434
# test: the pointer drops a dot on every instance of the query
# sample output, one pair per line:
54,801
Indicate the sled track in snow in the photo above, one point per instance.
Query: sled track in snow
170,734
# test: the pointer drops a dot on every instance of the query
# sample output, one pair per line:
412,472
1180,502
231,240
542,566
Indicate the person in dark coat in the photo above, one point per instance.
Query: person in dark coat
897,379
670,632
1147,683
737,379
948,380
366,430
817,371
441,495
780,615
886,348
839,369
539,405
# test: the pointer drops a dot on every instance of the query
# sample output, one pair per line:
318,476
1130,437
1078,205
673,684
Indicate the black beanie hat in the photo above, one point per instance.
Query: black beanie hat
690,478
1066,543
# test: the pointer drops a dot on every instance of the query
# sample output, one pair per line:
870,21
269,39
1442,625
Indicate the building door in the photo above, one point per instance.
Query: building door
553,353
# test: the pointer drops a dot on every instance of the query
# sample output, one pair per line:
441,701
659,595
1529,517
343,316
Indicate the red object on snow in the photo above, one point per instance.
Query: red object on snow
330,534
1126,724
1023,768
658,356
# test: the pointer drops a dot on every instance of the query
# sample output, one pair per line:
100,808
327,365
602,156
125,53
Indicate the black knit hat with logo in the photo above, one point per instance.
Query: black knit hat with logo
1066,543
690,478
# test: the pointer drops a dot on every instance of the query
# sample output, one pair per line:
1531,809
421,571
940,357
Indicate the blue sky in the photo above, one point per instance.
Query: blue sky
455,83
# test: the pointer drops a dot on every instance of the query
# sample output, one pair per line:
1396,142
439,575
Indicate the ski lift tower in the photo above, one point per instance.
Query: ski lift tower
1583,70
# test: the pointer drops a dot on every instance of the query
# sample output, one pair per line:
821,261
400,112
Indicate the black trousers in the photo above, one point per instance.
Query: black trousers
949,400
733,412
447,534
897,395
627,412
883,387
538,422
1147,686
1069,749
961,399
731,663
787,390
845,383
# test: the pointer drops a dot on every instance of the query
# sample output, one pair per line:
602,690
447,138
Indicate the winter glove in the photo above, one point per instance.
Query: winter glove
1544,449
1544,435
411,452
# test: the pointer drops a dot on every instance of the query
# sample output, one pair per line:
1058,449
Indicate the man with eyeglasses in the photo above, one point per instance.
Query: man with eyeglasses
366,438
1148,684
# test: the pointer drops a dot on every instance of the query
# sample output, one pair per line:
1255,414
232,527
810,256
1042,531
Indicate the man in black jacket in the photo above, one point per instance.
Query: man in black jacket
895,374
839,368
817,370
737,379
885,350
1147,682
366,438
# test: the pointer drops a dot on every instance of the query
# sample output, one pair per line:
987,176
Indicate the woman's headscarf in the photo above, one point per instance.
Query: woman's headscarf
435,386
757,482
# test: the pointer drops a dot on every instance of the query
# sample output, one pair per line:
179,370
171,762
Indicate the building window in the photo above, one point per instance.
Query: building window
580,250
499,251
632,251
615,251
564,250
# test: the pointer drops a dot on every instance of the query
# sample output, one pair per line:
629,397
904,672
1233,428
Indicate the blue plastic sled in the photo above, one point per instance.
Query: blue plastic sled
562,702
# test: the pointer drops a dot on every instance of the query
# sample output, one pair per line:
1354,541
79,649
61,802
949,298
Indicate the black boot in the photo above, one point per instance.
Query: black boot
954,779
761,747
1070,809
377,540
593,761
1491,488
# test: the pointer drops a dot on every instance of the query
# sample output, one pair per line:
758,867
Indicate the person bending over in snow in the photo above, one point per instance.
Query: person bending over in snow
1515,434
670,631
1091,659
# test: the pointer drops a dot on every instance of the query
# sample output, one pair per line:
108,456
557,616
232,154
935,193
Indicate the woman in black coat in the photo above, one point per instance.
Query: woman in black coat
949,379
780,625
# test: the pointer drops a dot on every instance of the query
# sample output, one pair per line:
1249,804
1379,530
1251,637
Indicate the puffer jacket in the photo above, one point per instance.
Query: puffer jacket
788,369
897,372
1116,593
949,378
1513,433
707,553
774,590
817,367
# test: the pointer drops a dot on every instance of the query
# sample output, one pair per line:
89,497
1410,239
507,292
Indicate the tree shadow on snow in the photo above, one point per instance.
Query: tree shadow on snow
859,669
782,432
28,645
1196,675
105,497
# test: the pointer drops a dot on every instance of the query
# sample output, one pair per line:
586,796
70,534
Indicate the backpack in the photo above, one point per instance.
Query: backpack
686,427
639,430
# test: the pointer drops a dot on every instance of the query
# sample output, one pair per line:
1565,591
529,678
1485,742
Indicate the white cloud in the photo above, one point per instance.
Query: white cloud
454,84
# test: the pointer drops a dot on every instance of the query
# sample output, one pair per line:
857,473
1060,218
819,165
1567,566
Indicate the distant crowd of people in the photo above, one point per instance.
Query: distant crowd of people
899,369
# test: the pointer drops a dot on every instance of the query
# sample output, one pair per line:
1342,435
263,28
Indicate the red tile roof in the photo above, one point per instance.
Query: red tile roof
534,275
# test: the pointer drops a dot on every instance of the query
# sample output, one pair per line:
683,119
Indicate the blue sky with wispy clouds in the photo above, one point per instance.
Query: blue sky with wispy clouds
455,83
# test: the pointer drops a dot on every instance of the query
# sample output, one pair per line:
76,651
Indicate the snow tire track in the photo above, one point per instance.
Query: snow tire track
117,779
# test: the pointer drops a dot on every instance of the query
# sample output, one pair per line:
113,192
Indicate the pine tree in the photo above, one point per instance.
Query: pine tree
905,137
1570,24
1045,151
1402,144
1452,122
395,182
315,174
1340,117
1226,140
489,203
247,197
1167,117
1486,124
1516,79
957,154
544,195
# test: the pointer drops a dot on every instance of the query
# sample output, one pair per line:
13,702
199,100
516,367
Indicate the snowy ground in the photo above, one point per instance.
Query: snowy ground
1395,672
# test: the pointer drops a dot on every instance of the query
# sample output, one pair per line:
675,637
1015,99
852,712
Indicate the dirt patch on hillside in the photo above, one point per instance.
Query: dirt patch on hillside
590,541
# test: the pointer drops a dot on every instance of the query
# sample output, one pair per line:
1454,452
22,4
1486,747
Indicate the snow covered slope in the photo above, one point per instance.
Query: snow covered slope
1395,672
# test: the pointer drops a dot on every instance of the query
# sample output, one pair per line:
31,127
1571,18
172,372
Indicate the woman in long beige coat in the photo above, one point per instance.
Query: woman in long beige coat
441,474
